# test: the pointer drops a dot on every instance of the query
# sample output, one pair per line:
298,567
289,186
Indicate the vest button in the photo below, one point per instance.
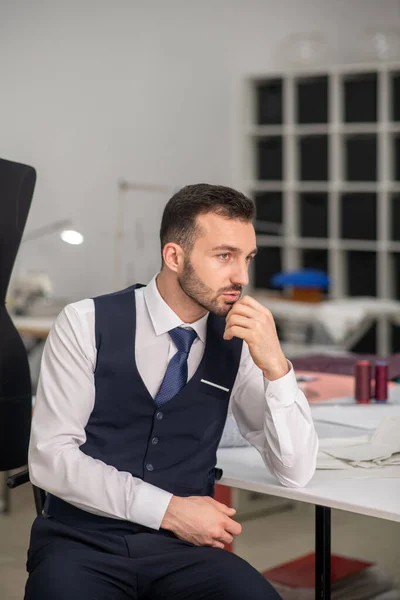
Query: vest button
159,415
155,441
149,467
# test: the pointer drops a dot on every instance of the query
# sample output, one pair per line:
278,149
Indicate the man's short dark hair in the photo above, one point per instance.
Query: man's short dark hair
178,222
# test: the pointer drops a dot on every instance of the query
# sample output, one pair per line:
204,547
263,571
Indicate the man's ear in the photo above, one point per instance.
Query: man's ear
174,256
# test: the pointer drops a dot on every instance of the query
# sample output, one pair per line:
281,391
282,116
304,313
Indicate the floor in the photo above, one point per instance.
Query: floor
265,542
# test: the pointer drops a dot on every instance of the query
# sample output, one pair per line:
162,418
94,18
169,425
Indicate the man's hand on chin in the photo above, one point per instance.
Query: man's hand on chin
254,324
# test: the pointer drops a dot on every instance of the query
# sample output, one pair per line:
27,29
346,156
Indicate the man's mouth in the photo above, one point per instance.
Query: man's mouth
231,295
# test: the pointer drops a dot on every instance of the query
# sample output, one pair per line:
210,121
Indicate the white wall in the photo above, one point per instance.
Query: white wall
95,90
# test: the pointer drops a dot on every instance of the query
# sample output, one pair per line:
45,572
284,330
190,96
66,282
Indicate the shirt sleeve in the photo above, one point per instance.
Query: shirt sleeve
64,402
274,416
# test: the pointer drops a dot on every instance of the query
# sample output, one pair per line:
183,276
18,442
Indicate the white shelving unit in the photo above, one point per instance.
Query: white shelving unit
322,161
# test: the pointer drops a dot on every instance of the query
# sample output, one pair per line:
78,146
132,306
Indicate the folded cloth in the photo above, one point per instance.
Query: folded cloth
382,448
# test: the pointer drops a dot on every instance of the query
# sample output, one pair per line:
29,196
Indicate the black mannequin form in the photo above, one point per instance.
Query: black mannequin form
17,183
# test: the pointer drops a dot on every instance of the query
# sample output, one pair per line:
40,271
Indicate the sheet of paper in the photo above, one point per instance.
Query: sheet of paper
388,432
325,461
362,416
377,449
389,472
361,452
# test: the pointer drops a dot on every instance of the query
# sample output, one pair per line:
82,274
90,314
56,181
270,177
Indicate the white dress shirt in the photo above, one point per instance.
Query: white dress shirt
273,416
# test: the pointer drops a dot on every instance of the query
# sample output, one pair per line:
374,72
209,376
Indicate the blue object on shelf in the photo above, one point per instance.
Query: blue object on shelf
304,278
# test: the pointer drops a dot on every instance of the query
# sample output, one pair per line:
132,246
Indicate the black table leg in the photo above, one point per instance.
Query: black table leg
322,553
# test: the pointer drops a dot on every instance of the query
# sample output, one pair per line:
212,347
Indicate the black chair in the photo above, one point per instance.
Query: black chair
39,495
17,183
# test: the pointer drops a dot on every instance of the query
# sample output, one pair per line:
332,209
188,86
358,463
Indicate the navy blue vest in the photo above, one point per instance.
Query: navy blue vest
172,447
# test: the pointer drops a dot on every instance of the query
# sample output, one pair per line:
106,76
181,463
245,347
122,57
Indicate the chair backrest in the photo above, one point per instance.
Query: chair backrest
39,495
17,183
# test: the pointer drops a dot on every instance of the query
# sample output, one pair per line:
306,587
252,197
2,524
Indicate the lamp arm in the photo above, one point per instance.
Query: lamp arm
45,230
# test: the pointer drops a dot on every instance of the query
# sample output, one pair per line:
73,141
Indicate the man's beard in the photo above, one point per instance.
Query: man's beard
204,296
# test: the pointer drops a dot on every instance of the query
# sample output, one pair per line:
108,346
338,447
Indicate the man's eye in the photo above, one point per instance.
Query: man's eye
224,256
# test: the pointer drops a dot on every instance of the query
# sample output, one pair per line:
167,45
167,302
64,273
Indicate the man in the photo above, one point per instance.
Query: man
133,395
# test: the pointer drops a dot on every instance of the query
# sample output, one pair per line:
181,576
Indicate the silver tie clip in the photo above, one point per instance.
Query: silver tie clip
220,387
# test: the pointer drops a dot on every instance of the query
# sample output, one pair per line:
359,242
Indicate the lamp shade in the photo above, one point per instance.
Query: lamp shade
17,183
71,236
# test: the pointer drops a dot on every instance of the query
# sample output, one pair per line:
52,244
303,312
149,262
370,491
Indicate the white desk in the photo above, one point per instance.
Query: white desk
38,327
243,468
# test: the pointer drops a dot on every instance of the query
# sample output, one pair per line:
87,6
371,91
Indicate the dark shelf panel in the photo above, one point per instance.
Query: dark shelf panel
358,216
314,258
360,98
269,98
395,100
361,273
395,339
268,211
395,274
313,211
368,343
395,218
361,158
268,262
270,158
312,100
396,157
313,158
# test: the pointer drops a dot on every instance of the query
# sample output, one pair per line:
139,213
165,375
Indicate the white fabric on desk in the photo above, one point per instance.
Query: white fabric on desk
380,449
327,462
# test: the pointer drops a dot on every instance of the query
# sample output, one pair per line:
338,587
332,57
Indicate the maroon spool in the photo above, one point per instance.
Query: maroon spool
381,381
363,381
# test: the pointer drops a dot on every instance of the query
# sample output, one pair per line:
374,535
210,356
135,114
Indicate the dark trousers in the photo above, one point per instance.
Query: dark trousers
67,563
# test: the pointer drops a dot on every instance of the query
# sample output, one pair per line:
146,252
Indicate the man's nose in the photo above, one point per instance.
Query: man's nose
241,275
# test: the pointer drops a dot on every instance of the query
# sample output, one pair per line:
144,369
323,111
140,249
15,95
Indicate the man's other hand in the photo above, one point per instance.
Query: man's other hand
201,520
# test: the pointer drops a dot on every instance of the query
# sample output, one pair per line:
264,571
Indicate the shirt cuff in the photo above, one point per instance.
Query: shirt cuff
281,392
150,505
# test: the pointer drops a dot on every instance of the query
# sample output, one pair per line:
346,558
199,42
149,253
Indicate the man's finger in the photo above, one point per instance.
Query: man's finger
244,310
233,527
239,320
224,508
249,301
226,538
217,544
240,332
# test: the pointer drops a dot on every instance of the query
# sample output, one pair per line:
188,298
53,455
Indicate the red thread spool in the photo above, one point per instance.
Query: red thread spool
381,381
363,381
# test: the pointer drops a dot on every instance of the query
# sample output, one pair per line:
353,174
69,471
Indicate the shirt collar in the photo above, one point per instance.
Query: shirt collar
164,318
